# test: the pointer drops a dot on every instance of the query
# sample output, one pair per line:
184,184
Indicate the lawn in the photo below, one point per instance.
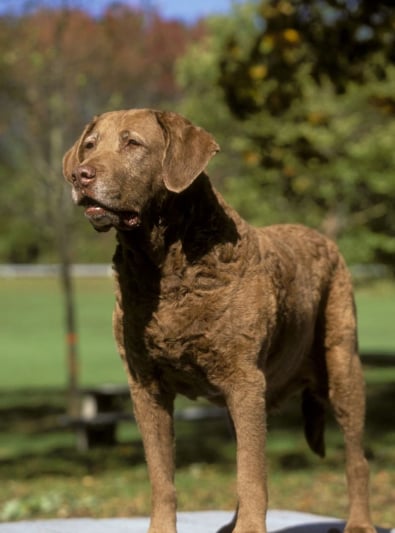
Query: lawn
33,338
44,476
376,316
33,347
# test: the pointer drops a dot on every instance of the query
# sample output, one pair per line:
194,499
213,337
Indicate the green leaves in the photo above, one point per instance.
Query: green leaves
338,41
306,117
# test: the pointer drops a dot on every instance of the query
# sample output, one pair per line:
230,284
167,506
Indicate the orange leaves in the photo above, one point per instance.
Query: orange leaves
252,158
291,36
258,72
124,52
318,118
280,39
274,9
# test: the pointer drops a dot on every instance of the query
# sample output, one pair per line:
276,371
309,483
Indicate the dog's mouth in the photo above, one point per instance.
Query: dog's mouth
103,217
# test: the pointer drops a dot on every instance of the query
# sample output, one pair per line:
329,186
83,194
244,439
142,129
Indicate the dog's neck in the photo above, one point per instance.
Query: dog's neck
195,221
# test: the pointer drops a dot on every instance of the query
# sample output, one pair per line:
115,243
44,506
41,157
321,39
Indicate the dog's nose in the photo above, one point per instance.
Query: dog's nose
84,174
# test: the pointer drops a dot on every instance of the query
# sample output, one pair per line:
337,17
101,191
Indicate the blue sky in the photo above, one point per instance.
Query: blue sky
187,10
184,9
194,9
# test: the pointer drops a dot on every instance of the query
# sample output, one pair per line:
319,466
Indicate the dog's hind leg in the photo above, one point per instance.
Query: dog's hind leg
347,395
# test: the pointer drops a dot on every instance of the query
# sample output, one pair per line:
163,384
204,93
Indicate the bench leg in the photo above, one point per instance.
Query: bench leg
91,436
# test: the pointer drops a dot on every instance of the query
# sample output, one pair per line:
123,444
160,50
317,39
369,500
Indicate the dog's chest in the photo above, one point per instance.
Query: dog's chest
179,343
189,307
182,322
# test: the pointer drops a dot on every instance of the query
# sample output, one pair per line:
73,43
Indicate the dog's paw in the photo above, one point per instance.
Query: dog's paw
360,529
161,530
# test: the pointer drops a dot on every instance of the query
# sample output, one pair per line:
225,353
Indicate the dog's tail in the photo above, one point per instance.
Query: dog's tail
314,411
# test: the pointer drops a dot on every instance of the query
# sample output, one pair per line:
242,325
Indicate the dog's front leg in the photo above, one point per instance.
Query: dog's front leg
154,416
246,404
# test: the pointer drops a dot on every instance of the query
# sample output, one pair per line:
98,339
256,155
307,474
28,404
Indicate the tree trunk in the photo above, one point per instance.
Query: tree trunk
69,309
61,214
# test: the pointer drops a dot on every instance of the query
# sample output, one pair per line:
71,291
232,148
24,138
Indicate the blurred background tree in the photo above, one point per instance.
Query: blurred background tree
315,89
60,67
307,109
299,94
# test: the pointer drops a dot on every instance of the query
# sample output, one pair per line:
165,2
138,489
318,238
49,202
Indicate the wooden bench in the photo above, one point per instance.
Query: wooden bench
100,411
103,408
378,360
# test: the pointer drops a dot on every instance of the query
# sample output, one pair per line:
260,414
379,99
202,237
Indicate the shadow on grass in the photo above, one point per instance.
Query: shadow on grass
32,415
205,441
380,416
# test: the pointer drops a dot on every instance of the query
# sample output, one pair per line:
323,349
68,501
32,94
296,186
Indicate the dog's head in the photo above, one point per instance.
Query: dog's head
123,159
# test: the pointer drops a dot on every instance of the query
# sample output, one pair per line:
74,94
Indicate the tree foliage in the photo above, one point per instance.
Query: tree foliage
309,91
300,96
337,40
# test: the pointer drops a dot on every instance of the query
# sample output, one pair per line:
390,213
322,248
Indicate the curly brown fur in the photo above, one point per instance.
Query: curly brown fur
207,305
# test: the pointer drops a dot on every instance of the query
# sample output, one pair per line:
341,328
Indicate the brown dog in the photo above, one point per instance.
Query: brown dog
207,305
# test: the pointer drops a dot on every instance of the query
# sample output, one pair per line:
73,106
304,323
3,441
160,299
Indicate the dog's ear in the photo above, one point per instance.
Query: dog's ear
70,161
188,150
72,157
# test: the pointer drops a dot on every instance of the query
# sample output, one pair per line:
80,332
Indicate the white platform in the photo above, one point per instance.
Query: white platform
201,522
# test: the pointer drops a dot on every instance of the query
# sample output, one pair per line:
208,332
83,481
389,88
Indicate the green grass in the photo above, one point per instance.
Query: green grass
33,349
376,312
44,476
33,334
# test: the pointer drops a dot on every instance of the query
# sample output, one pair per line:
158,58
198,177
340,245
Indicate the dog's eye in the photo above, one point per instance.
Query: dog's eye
132,142
88,145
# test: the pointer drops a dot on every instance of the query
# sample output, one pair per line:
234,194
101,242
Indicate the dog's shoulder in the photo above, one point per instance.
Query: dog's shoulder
298,243
298,258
